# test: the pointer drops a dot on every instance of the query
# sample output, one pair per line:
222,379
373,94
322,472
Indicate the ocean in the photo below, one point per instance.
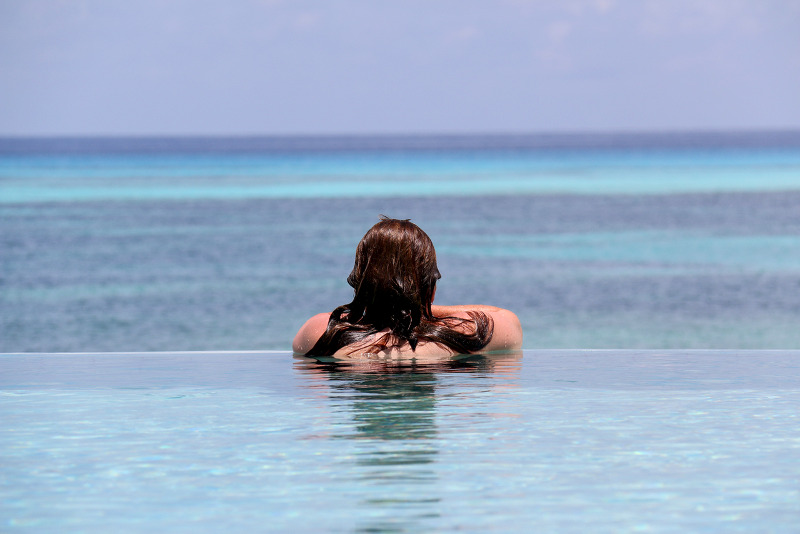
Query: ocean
649,241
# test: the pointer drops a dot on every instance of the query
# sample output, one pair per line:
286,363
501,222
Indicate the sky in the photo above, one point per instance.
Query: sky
272,67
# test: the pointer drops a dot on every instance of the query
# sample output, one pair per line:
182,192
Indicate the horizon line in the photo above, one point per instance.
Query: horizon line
409,134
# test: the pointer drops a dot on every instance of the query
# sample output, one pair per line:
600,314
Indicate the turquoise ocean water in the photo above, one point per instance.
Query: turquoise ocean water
595,241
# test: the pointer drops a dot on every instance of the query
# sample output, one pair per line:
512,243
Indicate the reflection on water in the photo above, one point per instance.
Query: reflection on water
394,416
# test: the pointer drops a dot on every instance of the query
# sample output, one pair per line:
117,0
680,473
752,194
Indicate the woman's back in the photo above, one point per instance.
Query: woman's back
506,335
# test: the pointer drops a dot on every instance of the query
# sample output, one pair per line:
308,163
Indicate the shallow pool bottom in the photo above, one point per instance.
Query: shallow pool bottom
545,441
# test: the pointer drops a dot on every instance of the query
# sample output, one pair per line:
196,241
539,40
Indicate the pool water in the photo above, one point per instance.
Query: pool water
535,441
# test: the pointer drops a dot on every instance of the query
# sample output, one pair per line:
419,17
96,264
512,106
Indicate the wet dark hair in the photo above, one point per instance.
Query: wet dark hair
394,280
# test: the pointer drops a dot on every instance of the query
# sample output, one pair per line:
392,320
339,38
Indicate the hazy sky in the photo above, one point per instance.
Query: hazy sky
391,66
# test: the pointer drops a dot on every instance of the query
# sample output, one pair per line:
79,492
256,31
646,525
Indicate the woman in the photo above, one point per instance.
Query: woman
392,312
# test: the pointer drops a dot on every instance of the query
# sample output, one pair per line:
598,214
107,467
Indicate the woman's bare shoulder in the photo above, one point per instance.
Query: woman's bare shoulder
310,332
507,333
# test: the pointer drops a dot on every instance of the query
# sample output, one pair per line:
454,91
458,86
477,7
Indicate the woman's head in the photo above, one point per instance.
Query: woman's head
394,276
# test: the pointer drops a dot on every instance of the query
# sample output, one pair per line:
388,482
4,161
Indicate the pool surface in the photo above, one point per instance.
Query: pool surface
537,441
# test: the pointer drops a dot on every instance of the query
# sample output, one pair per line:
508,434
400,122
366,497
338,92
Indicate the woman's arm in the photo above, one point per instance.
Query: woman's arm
507,334
310,332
